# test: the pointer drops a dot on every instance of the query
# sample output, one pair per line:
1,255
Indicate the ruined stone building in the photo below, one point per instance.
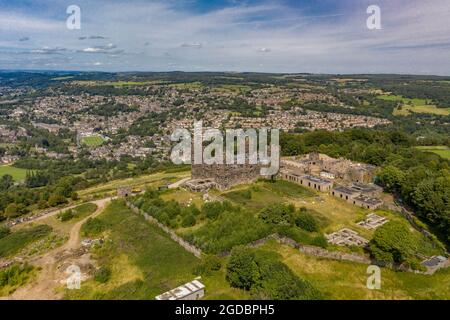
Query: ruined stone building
226,175
352,181
331,168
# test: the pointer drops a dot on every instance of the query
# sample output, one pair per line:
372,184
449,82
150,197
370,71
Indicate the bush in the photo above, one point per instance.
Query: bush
65,215
211,210
102,275
278,282
92,227
56,199
393,242
320,241
14,275
228,230
242,270
74,196
306,221
15,241
266,277
4,231
188,221
208,265
278,214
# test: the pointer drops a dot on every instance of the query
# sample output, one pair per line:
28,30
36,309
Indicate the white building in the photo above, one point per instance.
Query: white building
193,290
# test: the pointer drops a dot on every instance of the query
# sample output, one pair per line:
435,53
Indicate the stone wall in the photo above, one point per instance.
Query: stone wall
227,175
186,245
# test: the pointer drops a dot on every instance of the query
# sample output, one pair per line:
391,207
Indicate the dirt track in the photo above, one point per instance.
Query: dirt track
50,276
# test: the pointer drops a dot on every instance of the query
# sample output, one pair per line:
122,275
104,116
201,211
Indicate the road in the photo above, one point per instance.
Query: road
50,276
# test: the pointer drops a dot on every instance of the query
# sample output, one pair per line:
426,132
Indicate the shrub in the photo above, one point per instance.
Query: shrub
306,221
228,230
65,215
266,277
92,227
15,275
15,241
188,221
320,241
211,210
74,196
278,282
242,270
278,214
393,242
102,275
56,199
4,231
208,265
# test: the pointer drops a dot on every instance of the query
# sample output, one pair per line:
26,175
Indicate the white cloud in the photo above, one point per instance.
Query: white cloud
415,37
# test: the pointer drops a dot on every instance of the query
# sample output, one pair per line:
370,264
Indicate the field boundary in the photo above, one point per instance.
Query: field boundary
186,245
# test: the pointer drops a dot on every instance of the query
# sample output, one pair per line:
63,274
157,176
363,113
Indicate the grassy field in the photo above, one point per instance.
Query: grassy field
14,242
18,174
188,85
117,83
442,151
93,141
232,88
335,213
414,105
14,277
345,280
63,228
265,193
142,182
143,260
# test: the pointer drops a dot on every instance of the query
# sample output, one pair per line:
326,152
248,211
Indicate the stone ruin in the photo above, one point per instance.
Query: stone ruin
346,237
372,221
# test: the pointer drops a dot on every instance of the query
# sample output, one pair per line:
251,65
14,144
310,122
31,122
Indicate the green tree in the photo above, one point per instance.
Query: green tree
56,199
242,270
393,242
306,221
391,178
188,221
278,214
6,182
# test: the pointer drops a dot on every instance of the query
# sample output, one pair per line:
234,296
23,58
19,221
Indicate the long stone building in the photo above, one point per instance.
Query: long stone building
342,178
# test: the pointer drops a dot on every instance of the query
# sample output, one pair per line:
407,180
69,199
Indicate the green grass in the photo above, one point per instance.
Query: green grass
414,105
264,193
442,151
152,180
62,78
187,85
14,277
14,242
232,88
118,84
18,174
84,210
79,212
93,141
143,260
345,280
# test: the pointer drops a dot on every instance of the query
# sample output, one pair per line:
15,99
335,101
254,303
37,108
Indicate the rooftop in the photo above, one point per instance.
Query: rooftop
182,291
317,180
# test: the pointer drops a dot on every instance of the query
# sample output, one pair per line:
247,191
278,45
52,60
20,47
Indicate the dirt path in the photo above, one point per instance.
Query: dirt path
50,276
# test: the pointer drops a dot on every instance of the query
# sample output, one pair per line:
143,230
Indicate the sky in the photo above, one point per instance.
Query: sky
284,36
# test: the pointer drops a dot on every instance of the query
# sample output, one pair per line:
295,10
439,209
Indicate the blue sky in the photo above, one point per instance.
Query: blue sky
319,36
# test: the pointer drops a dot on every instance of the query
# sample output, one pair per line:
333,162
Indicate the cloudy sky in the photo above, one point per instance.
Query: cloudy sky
319,36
